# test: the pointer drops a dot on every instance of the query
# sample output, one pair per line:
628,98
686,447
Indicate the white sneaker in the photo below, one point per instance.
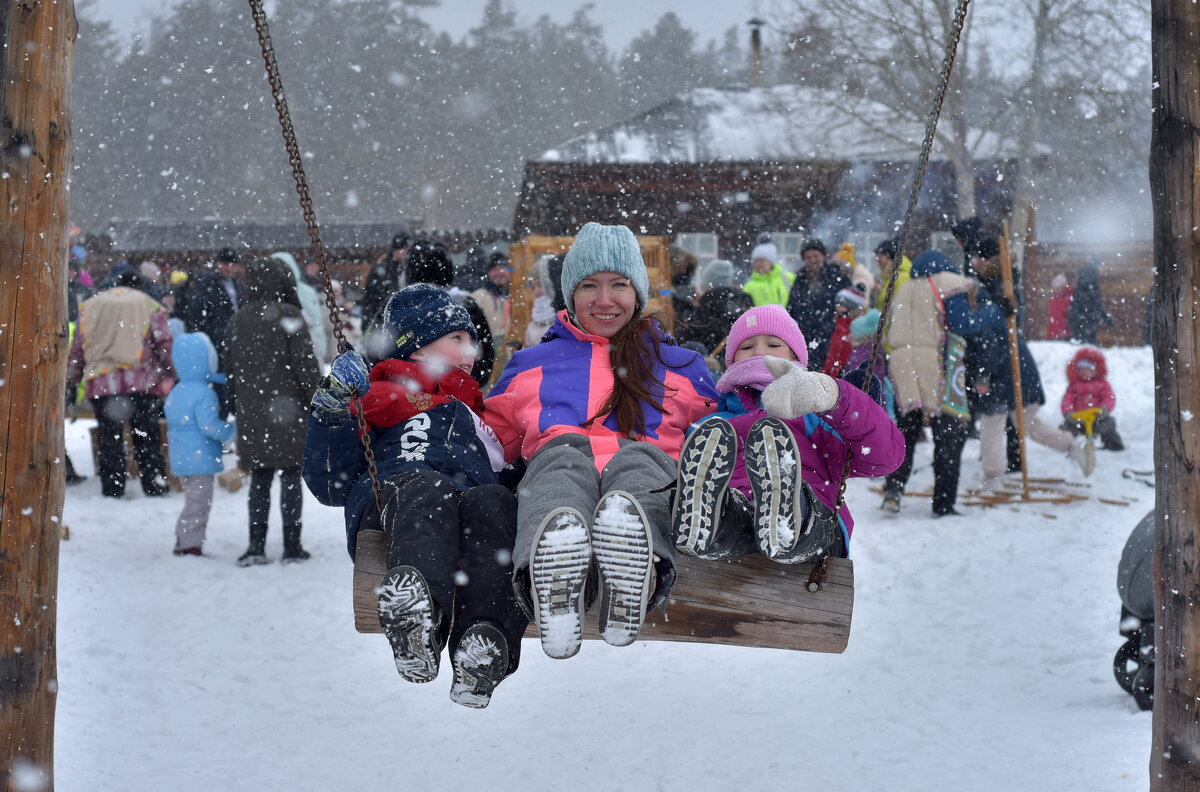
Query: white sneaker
1083,454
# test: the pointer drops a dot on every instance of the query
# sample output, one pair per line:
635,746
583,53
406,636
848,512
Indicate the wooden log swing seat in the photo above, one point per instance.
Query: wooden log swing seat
750,601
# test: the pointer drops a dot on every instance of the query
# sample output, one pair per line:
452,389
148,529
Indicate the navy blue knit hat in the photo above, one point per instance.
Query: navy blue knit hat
603,248
418,315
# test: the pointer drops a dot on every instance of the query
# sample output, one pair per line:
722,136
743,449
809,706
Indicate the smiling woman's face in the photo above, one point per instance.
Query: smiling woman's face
604,303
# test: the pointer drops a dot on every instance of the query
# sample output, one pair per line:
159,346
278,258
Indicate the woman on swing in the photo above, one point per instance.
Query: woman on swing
599,411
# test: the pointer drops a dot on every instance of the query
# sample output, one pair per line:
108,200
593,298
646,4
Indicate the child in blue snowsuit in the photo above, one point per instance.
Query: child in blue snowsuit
196,434
450,525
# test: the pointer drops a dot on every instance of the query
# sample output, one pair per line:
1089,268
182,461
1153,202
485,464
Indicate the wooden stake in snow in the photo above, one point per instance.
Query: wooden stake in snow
36,46
1175,182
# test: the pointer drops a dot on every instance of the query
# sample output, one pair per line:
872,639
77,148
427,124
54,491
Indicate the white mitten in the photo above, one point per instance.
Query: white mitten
796,391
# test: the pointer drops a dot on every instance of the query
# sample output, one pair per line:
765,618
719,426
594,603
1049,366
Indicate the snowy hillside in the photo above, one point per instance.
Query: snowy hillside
980,659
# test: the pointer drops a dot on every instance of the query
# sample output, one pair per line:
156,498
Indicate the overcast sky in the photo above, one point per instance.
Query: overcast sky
622,19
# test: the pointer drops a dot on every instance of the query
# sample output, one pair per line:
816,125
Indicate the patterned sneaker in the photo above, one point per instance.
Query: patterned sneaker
705,467
784,528
480,663
623,548
558,570
410,620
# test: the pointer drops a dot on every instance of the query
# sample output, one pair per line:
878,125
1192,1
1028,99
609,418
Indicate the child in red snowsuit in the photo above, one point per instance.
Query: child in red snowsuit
1087,378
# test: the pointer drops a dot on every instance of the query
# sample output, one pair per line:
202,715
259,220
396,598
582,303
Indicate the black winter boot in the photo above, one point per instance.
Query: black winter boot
256,553
293,551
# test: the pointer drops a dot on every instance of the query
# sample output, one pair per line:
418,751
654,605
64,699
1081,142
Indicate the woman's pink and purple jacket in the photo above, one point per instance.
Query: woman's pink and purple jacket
552,389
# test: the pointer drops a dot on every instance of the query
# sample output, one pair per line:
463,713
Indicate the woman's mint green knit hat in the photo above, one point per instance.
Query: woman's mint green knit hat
604,248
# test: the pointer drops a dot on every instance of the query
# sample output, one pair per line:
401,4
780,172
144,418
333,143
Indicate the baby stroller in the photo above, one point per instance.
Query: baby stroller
1134,663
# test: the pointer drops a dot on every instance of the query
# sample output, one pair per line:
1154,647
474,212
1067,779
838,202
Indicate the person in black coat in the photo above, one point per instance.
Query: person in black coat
428,262
216,296
385,279
211,302
721,303
1087,313
813,299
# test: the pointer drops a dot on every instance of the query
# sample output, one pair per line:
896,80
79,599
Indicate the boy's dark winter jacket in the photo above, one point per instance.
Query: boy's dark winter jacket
442,439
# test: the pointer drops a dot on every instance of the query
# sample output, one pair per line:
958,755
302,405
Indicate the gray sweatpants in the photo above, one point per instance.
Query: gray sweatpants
197,503
563,474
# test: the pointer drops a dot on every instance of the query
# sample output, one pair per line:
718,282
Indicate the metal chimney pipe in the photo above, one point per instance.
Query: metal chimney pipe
756,63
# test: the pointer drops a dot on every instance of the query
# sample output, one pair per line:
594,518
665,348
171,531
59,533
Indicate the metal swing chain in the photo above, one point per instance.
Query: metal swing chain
310,220
960,15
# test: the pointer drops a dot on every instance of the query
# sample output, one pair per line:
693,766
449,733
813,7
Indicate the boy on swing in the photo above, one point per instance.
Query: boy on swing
764,473
450,524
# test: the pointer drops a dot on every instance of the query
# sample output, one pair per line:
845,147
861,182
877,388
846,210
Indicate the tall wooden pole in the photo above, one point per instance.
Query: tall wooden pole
1014,354
36,46
1175,182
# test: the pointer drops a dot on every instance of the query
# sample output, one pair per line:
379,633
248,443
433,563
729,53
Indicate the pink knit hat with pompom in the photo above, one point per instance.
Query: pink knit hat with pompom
767,320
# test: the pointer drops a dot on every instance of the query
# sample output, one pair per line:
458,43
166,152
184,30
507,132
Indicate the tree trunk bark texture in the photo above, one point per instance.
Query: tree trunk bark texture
1175,143
36,46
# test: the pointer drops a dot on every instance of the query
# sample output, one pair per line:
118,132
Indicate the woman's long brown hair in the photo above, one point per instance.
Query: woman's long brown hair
632,353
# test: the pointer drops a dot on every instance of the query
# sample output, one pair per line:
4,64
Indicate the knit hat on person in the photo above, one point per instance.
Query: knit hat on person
766,250
227,255
604,248
717,274
851,299
1058,282
401,241
767,320
813,244
149,270
888,247
428,262
418,315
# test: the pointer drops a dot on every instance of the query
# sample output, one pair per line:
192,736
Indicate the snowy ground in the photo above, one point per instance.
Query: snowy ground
980,659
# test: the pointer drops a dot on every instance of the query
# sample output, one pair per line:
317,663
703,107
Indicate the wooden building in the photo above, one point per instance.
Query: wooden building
739,161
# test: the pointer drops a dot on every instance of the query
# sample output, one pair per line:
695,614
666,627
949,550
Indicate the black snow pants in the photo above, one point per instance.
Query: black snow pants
142,411
949,436
461,541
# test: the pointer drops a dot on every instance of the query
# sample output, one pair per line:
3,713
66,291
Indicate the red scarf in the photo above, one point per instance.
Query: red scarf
400,389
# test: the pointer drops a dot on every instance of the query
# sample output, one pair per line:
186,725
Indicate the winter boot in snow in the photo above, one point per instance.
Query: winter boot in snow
293,551
256,553
558,571
624,553
411,620
784,528
1083,453
891,502
480,663
705,467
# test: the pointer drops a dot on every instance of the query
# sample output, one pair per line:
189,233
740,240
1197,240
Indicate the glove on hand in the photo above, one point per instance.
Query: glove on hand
796,391
348,376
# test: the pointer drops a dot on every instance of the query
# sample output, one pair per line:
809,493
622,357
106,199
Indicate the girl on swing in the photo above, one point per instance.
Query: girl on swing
764,473
450,524
599,410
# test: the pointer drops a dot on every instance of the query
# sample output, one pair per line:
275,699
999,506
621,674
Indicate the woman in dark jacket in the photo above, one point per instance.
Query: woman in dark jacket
272,375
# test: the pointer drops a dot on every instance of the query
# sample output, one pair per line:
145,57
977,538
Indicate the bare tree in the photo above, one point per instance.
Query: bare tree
890,51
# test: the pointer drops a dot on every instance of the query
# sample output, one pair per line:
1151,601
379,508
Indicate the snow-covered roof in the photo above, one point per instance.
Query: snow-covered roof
785,123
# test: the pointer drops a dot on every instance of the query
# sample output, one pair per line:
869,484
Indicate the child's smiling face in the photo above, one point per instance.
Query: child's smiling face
453,350
767,345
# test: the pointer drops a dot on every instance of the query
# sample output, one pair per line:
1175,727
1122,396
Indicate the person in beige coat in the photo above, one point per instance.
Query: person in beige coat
917,338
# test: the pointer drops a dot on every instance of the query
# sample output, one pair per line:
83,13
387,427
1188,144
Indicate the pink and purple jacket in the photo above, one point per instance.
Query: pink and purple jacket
553,388
856,424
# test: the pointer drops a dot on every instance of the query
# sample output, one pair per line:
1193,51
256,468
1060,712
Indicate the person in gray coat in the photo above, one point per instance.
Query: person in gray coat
272,376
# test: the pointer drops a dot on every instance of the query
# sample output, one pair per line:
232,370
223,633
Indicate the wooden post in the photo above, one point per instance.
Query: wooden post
1174,182
36,46
1014,354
